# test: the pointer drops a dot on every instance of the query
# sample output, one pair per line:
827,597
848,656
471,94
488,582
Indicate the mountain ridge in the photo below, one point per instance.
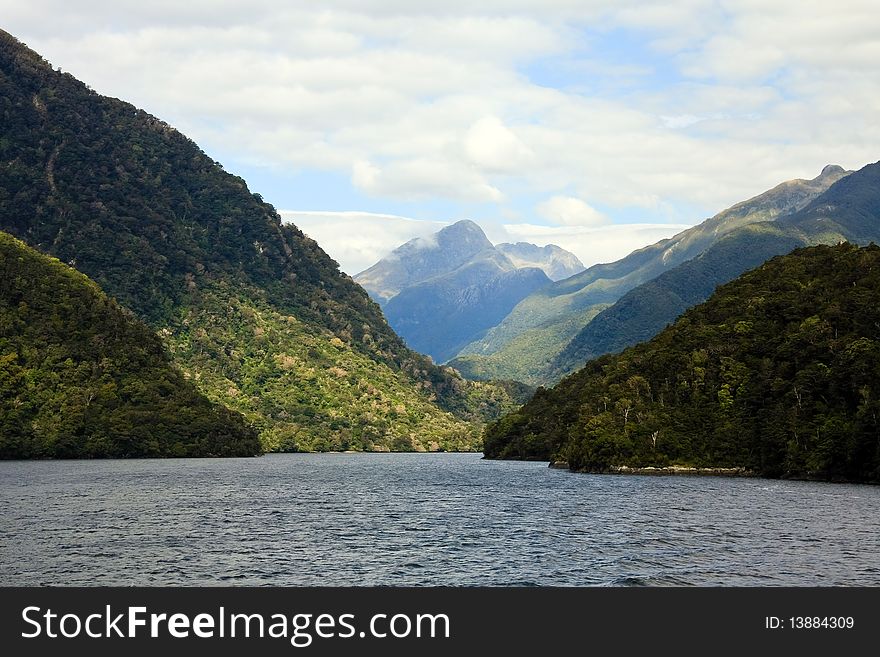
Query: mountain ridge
442,292
847,211
160,226
548,320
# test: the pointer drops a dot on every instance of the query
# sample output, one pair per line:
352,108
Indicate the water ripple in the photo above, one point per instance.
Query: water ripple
420,520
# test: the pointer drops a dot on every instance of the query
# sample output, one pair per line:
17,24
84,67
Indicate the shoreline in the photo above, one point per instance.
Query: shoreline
669,470
684,470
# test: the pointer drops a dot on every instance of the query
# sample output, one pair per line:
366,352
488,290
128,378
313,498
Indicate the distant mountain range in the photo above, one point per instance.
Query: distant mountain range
776,373
442,292
553,260
555,330
253,312
849,210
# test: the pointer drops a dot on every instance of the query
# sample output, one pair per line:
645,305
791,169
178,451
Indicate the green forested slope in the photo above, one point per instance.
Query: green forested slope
141,210
778,372
81,377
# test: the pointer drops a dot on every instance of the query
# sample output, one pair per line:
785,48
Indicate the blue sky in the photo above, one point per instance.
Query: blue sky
599,125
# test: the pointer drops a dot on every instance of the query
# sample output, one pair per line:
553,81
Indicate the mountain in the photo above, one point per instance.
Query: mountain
452,247
776,373
849,210
554,261
441,315
253,311
81,377
442,292
424,258
527,343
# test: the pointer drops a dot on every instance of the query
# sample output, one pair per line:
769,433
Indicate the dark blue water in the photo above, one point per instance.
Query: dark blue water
422,519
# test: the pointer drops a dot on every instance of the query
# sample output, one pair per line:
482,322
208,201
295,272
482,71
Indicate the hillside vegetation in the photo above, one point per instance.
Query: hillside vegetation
557,325
846,211
778,372
161,227
81,377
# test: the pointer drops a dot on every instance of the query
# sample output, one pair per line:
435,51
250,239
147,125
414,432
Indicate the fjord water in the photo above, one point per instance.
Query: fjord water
422,519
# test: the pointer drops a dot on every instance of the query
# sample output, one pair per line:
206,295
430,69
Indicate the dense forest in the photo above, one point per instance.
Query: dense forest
237,296
776,373
81,377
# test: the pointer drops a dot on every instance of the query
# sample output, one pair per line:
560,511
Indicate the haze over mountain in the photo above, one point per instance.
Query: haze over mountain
775,373
527,344
441,292
252,310
553,260
423,258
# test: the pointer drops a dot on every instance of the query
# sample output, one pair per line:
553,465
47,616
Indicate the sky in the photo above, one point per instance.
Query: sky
598,125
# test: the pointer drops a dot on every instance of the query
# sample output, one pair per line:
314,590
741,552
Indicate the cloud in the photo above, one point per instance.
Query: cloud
423,178
595,244
499,101
357,240
570,211
491,145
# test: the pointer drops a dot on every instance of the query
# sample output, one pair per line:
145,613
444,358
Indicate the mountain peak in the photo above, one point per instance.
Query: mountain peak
556,262
464,232
464,225
832,170
422,258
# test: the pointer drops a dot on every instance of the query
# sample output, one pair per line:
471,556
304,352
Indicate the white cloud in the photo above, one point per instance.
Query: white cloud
423,178
595,244
570,211
440,100
357,240
489,144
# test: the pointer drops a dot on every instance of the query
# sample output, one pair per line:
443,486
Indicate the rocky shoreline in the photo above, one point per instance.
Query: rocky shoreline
668,470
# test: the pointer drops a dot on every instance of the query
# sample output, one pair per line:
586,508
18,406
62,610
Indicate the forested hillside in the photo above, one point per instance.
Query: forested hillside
553,332
848,210
253,310
778,372
81,377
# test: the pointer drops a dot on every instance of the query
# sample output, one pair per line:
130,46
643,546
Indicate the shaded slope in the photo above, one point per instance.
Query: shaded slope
441,292
441,315
554,315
